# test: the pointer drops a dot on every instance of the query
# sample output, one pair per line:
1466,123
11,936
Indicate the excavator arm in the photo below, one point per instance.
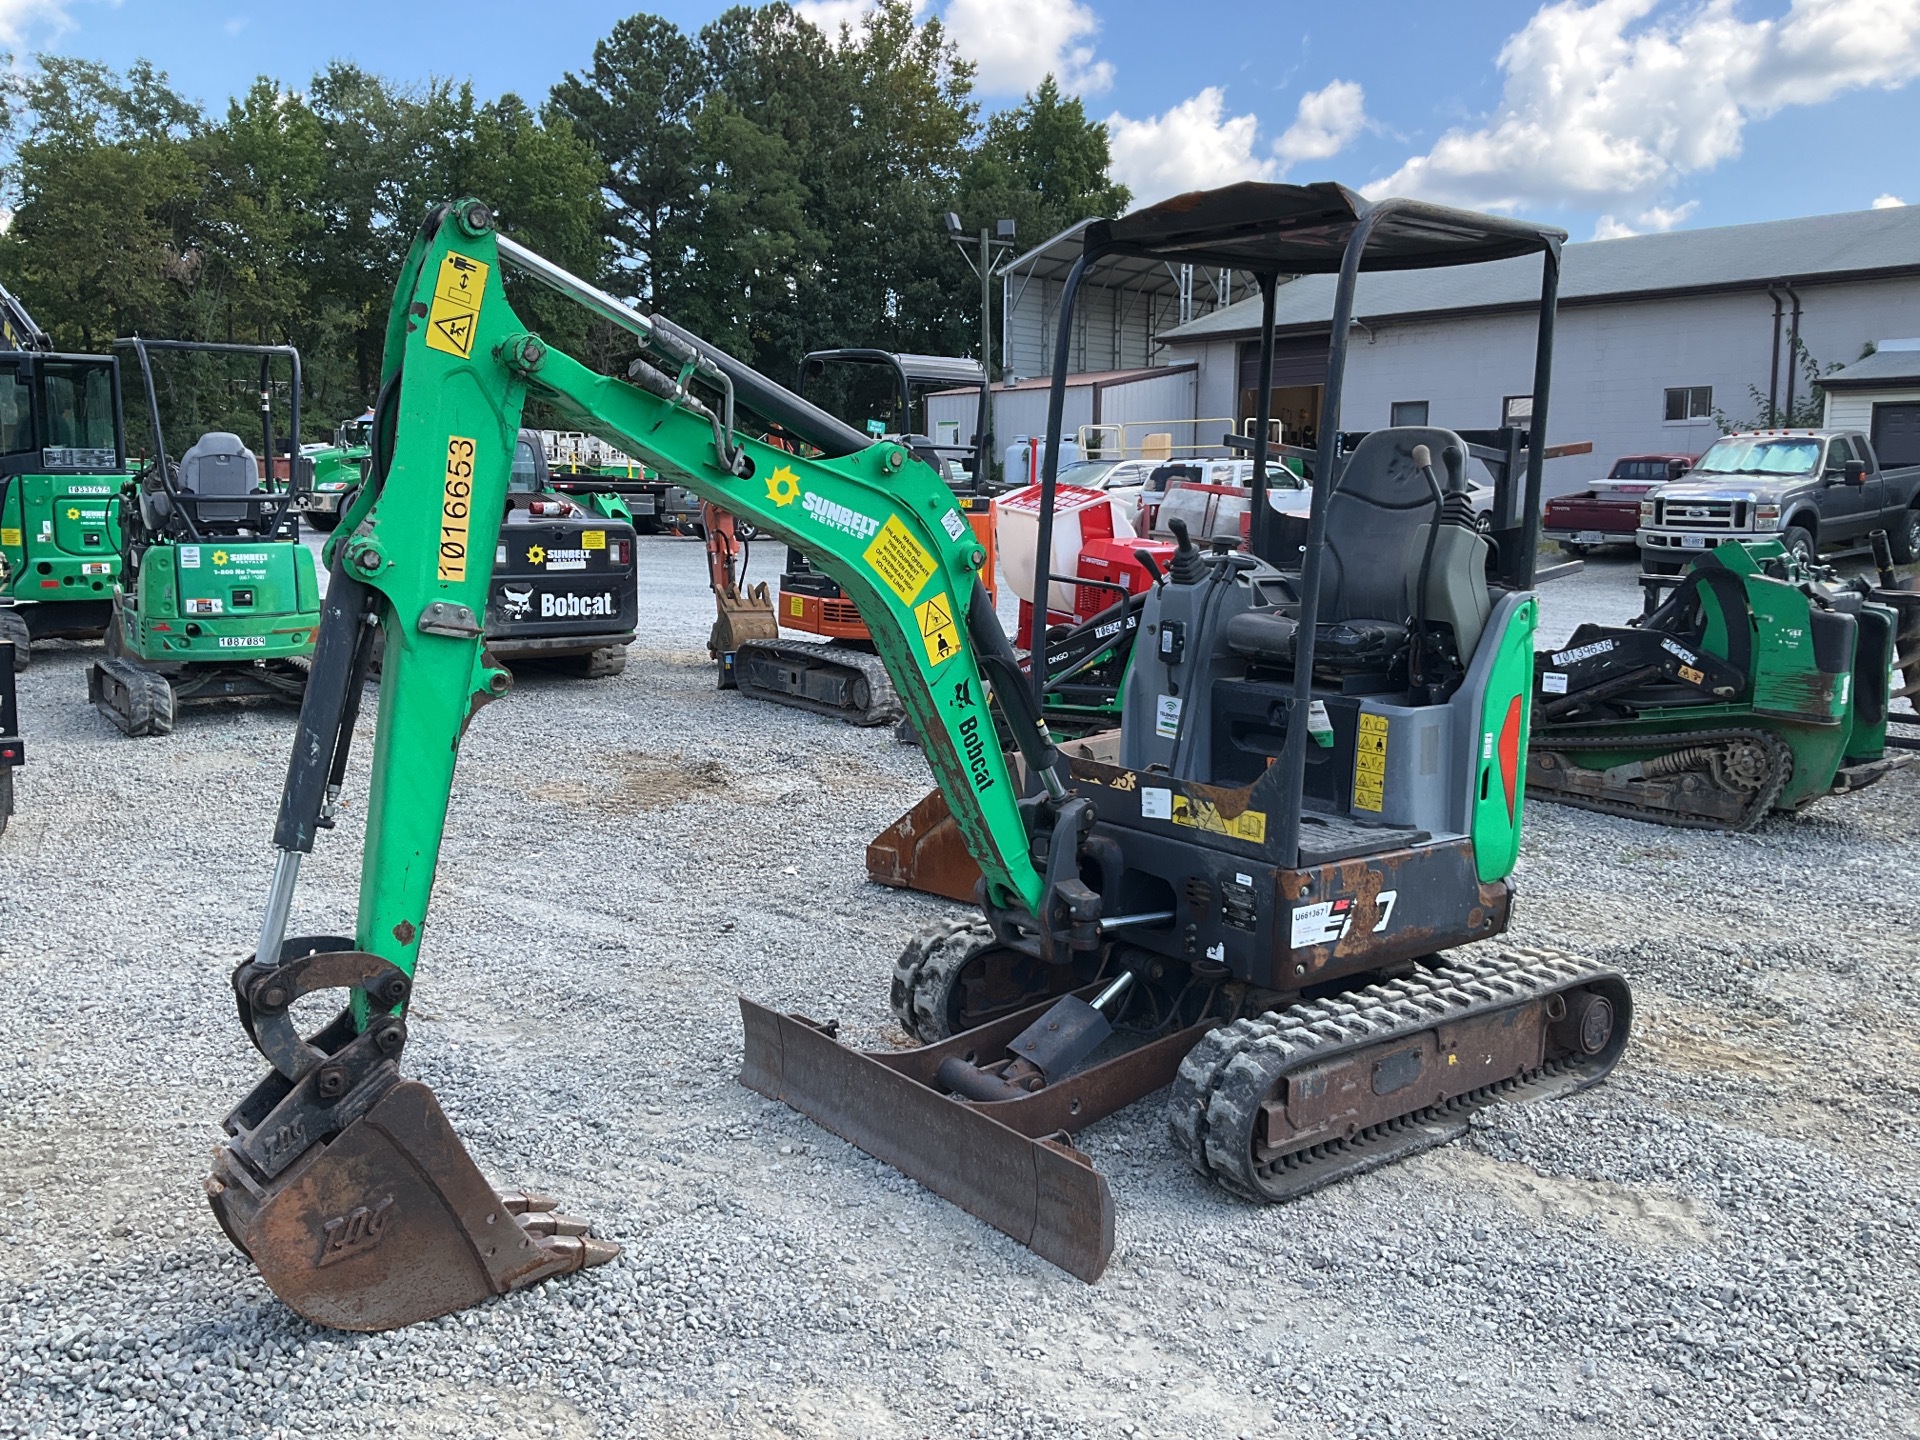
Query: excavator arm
341,1180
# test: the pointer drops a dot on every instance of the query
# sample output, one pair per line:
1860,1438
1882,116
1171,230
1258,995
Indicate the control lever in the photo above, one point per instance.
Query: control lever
1184,568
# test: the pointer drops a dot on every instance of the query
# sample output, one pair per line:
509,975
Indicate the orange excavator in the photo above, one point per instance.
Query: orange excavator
839,673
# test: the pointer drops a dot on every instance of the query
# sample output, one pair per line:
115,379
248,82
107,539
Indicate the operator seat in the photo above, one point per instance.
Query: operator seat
1377,519
219,467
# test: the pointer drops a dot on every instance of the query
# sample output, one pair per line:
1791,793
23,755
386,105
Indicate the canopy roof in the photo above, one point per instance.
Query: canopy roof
1304,229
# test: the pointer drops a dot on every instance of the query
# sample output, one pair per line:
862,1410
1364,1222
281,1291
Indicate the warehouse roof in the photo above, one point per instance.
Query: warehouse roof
1886,366
1859,245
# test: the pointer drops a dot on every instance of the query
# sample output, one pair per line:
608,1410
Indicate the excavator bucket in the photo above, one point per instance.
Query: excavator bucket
1010,1162
924,850
347,1187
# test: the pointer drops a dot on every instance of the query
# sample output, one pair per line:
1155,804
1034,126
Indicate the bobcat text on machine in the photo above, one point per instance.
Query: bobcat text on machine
1319,788
62,458
217,598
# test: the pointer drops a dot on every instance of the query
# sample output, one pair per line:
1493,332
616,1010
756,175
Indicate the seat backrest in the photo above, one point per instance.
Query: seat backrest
218,466
1379,503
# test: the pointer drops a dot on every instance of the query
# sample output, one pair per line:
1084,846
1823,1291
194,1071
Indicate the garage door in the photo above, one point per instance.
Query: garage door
1896,433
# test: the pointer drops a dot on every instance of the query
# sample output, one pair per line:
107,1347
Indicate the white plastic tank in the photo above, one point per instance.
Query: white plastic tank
1024,456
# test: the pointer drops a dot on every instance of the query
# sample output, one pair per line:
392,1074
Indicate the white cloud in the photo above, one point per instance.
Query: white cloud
1325,124
830,15
31,22
1656,217
1605,107
1018,43
1193,146
1887,202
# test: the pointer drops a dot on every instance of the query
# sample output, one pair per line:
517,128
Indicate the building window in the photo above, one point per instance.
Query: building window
1516,410
1409,412
1690,402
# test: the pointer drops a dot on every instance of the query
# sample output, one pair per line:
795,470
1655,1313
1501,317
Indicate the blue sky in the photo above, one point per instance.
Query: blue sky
1605,116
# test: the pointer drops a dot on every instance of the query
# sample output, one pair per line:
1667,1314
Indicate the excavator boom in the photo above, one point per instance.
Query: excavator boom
340,1179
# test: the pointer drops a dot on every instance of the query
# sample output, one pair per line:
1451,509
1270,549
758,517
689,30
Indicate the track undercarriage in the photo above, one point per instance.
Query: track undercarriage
841,680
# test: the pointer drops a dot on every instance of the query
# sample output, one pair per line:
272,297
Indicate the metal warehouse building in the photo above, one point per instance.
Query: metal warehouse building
1656,333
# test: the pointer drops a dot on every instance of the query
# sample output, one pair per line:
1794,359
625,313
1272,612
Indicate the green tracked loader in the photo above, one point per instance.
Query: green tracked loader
218,598
1758,685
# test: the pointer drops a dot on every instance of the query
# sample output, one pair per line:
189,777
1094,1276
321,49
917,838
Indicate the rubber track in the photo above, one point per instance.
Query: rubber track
1212,1095
883,704
1752,816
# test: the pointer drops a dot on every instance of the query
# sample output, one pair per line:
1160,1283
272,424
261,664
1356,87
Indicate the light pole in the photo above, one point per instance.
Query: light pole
999,238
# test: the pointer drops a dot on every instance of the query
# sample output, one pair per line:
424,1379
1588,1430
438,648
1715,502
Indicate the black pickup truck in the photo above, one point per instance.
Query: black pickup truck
1812,490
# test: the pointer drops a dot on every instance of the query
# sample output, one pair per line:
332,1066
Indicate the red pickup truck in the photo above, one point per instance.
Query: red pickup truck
1609,514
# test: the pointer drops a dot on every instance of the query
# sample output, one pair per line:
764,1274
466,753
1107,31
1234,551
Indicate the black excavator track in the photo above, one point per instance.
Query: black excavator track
1278,1105
1712,781
836,680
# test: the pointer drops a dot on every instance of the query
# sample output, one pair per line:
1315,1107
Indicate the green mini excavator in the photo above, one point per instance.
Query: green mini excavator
218,599
1758,685
62,460
1280,904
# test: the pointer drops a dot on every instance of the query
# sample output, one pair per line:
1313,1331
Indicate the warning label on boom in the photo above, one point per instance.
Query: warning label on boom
937,630
456,305
1370,764
900,560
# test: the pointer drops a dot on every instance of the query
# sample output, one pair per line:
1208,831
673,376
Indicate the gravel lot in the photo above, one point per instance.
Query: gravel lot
1719,1242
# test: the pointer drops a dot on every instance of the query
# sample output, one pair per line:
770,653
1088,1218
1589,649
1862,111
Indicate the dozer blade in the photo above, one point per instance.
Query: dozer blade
1011,1162
346,1186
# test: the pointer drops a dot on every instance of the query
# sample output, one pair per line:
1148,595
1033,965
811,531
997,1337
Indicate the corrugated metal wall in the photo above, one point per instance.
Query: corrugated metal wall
1612,365
1853,409
1113,329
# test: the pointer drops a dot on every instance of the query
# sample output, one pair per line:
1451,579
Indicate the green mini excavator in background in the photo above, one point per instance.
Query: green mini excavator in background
218,598
1317,792
62,460
1760,684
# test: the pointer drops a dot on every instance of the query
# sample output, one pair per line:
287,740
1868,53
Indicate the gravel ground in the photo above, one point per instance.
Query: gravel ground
1718,1242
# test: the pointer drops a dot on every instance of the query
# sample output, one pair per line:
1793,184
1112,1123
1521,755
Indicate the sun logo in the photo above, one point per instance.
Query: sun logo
219,557
536,554
72,513
783,486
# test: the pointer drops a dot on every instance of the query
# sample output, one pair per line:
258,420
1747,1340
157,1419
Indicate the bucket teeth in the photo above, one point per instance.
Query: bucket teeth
388,1221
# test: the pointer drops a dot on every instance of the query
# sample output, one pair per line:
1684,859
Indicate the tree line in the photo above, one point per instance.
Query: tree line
772,187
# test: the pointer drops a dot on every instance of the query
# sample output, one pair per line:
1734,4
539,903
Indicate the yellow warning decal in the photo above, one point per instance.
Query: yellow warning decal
9,536
796,606
593,540
1370,764
456,508
937,630
1248,825
456,305
900,560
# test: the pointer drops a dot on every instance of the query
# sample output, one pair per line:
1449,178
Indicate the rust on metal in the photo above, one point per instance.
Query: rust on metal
404,932
1008,1162
1356,1090
389,1222
924,850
